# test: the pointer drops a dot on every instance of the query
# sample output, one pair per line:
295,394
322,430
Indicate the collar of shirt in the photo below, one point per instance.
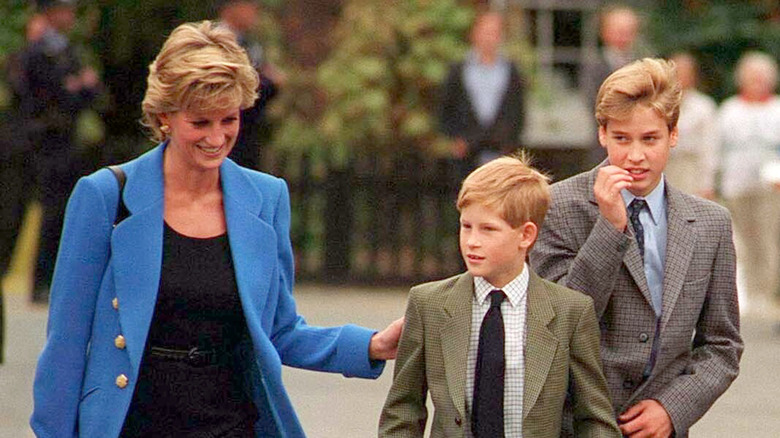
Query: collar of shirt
472,59
655,200
54,41
618,58
515,290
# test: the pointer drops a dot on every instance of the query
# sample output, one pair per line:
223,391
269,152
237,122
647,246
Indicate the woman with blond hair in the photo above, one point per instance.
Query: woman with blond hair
175,319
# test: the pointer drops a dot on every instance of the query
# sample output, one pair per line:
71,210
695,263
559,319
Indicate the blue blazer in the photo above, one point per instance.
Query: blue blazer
78,391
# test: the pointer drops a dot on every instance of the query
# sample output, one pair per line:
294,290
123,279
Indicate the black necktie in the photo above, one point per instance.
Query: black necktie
487,411
634,209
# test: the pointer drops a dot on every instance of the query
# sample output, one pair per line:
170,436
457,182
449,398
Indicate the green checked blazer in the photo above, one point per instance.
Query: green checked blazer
561,354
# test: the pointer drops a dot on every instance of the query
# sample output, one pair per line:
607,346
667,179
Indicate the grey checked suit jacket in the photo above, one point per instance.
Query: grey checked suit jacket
700,345
561,352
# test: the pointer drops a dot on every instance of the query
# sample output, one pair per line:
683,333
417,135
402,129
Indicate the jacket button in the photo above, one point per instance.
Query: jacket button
627,384
119,342
121,381
115,303
458,421
643,337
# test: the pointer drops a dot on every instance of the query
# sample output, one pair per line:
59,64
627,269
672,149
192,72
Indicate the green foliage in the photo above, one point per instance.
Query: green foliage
380,82
14,13
717,32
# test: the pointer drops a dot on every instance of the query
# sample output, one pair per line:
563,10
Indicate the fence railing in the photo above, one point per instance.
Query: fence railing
380,220
373,221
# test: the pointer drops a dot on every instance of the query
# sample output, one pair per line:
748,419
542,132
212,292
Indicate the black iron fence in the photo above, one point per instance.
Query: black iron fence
379,220
375,220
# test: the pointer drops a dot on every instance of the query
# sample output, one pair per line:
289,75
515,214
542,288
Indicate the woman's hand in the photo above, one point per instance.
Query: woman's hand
384,344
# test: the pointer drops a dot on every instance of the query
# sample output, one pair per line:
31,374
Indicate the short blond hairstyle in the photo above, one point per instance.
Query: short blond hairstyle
518,192
651,82
200,67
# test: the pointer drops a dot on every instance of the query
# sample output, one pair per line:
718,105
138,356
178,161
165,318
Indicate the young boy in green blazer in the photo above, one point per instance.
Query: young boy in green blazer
498,348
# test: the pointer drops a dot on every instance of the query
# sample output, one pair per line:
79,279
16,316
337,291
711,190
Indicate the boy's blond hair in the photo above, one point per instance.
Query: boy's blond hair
651,82
518,192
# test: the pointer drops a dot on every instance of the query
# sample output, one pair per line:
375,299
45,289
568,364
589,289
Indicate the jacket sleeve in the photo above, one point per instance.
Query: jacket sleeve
81,263
451,105
590,268
717,344
404,413
341,349
593,415
513,117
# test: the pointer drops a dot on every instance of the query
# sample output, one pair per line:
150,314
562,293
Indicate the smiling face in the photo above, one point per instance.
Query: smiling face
202,140
641,145
490,246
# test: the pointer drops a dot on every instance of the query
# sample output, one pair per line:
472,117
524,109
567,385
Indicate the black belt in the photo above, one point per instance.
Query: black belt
194,356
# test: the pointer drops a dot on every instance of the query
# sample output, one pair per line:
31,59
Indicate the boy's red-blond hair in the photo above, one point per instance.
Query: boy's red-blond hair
518,192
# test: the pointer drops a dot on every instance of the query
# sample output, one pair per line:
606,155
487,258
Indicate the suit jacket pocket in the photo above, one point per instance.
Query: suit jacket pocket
695,291
87,392
697,283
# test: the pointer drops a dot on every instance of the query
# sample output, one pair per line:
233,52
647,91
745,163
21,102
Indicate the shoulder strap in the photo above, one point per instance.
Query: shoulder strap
121,210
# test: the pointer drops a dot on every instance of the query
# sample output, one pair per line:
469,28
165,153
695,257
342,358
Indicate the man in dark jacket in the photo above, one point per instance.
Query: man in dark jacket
241,16
58,87
482,107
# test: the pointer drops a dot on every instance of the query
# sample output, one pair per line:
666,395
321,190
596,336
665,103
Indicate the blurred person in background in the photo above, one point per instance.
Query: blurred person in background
619,27
176,320
58,86
749,129
242,16
17,164
693,163
482,109
618,30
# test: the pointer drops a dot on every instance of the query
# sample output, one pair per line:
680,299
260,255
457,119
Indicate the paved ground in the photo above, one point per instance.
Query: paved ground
331,406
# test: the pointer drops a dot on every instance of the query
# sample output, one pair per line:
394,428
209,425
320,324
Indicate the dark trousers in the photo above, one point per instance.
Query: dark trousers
57,175
17,186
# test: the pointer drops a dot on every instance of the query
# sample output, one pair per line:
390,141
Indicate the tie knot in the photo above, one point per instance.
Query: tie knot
496,298
636,206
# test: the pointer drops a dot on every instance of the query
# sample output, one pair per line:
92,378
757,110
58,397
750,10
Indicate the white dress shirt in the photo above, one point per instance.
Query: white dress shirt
513,310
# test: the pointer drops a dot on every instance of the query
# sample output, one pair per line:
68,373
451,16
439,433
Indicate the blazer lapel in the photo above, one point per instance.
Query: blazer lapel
635,266
680,242
136,246
253,242
455,339
541,344
633,259
136,250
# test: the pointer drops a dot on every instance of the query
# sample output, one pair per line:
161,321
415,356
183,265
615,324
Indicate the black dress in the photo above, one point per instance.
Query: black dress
198,306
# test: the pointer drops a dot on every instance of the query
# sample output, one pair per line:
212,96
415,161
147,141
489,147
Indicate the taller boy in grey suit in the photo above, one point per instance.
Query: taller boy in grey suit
661,272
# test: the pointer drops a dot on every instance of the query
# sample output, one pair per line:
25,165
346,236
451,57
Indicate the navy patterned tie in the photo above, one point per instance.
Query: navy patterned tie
487,411
634,209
